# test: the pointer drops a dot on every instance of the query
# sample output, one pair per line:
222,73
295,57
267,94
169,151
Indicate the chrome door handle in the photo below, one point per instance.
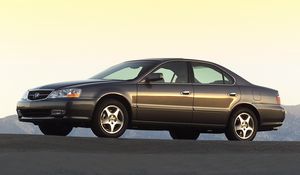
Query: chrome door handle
232,94
185,92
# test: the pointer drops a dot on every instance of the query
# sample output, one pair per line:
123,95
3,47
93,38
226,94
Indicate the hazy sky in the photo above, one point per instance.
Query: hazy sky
43,42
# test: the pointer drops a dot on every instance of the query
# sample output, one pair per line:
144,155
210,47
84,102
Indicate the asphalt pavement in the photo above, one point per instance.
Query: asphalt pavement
33,154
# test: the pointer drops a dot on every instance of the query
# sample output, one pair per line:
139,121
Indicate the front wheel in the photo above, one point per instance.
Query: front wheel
242,125
110,120
55,129
188,134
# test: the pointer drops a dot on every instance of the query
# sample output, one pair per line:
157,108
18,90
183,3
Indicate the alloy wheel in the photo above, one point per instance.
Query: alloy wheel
112,119
244,126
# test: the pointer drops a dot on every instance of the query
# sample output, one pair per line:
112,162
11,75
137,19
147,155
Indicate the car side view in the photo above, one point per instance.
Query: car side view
184,96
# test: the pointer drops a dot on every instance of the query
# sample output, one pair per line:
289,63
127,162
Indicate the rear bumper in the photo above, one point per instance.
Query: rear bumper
73,110
271,116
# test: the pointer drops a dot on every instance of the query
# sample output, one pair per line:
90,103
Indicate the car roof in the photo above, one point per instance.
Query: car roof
171,59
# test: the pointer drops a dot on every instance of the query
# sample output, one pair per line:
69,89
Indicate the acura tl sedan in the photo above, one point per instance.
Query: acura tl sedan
183,96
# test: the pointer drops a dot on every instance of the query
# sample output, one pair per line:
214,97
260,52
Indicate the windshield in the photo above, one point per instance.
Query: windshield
126,71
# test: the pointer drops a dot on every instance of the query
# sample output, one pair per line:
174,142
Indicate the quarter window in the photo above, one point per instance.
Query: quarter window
204,74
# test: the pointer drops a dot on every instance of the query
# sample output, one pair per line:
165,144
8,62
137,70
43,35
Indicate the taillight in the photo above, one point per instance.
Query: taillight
278,101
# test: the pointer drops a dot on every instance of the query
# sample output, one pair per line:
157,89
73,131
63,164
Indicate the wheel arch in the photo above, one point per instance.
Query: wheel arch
245,105
118,97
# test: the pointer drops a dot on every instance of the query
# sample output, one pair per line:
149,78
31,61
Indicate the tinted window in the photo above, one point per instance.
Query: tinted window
204,74
173,72
126,71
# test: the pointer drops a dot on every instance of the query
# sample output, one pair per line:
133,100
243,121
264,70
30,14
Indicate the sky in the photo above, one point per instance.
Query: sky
49,41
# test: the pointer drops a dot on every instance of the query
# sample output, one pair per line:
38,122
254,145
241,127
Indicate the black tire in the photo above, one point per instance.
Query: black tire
247,130
101,130
187,134
55,129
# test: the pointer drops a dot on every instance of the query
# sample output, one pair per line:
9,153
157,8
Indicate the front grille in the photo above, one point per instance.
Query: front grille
38,94
35,112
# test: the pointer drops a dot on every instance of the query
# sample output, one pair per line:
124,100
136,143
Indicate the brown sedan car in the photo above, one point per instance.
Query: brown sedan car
186,97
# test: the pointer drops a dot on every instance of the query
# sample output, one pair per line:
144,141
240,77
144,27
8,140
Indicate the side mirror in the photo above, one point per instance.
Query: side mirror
154,77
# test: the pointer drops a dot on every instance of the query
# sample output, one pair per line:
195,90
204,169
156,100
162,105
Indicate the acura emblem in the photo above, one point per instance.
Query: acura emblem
36,95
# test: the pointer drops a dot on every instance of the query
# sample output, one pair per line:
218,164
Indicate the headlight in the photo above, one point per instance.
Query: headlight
66,93
25,96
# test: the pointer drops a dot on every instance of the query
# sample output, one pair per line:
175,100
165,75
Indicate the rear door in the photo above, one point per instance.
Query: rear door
214,94
167,100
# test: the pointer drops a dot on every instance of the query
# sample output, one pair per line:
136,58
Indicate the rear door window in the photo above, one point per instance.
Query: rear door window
207,74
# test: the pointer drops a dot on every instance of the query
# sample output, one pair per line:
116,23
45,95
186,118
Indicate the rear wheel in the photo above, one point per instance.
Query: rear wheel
55,129
242,125
110,120
188,134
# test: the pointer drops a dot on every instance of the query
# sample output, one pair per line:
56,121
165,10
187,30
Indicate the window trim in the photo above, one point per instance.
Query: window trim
214,67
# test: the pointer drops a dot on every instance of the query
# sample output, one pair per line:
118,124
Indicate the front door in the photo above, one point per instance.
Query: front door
169,99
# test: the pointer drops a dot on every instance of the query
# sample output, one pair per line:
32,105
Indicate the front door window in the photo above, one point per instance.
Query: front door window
173,73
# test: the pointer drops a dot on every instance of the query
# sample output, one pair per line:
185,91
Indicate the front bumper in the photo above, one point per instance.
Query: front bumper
73,110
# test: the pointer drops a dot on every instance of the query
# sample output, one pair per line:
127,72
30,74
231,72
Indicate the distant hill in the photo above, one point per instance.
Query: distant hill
288,132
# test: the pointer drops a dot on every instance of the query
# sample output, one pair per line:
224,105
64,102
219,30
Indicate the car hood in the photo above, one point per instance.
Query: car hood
74,83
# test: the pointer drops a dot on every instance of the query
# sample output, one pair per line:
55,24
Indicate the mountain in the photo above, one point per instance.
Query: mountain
288,132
